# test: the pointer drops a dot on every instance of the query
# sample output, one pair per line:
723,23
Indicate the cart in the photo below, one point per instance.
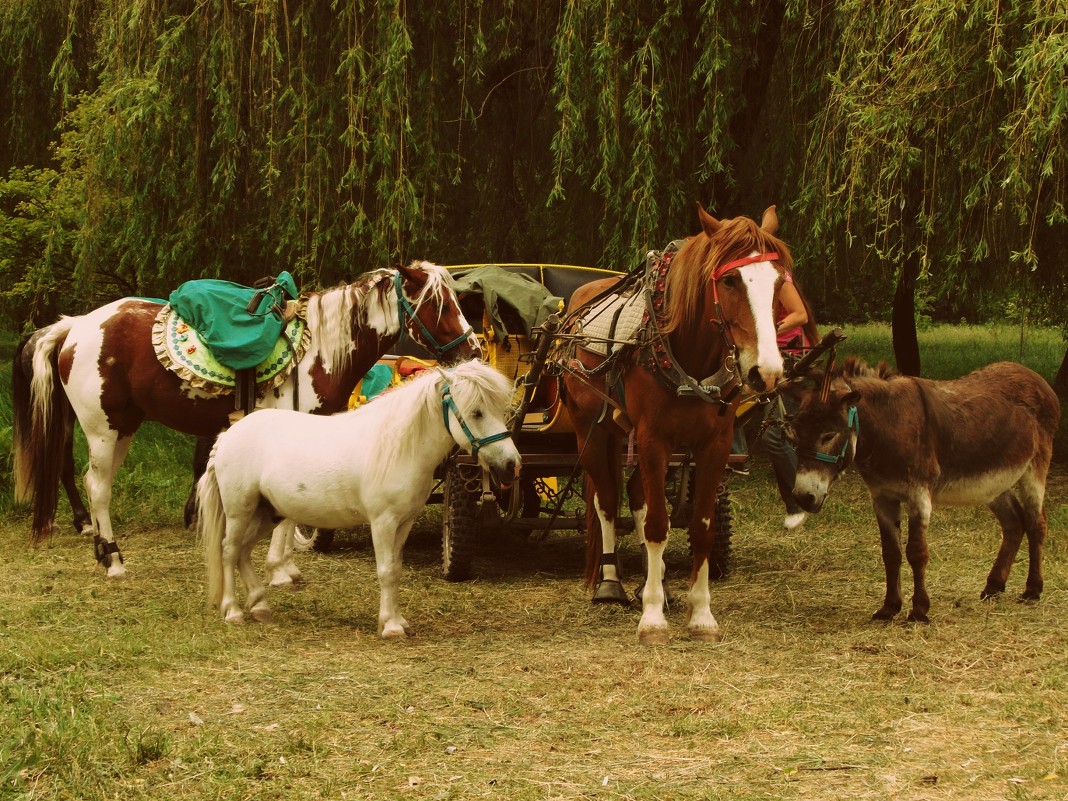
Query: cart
547,495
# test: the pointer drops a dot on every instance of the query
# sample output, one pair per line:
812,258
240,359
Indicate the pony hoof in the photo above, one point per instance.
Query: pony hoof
392,633
260,615
918,617
654,636
991,591
282,579
234,616
705,634
1030,596
610,591
117,572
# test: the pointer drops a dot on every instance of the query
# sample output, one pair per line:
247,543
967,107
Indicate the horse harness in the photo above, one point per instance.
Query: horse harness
653,348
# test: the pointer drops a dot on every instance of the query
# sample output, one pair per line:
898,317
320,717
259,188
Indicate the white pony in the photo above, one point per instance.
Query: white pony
372,465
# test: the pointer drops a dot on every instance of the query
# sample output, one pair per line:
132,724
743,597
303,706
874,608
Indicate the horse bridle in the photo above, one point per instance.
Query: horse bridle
725,385
448,404
846,455
406,314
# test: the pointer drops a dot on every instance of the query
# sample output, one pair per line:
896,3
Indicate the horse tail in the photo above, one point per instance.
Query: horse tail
594,538
22,454
211,527
42,443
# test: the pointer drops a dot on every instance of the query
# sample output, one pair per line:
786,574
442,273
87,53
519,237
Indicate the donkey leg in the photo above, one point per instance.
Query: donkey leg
888,515
388,536
1007,510
1031,491
917,554
280,565
106,453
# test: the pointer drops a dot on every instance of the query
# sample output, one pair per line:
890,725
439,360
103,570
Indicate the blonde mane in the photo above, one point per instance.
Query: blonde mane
693,266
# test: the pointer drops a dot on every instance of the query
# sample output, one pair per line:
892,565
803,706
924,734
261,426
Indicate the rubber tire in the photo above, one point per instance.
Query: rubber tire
460,527
720,558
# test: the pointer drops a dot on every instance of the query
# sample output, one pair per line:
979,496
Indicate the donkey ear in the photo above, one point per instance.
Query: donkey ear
709,224
851,398
769,223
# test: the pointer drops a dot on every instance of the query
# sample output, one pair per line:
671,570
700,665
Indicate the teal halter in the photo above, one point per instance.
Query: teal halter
840,461
447,404
406,310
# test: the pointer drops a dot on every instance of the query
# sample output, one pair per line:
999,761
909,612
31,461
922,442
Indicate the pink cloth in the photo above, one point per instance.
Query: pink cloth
797,331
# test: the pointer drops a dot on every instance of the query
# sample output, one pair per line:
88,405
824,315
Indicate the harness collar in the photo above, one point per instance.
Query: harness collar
405,309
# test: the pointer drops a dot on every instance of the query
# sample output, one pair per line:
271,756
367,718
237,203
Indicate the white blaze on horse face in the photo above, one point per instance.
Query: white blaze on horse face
761,279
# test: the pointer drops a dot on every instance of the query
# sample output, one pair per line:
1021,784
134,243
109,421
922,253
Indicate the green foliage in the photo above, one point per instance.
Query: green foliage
216,138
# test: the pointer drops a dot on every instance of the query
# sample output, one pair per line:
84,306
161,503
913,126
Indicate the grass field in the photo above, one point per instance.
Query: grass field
516,686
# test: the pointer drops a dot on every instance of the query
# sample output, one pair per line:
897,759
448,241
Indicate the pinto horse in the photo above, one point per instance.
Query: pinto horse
23,468
985,438
105,364
372,465
707,338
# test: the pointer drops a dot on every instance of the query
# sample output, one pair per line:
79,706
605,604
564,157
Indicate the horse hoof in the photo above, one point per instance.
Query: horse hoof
281,579
117,572
705,634
610,591
260,615
1030,596
395,633
991,591
918,617
234,616
654,636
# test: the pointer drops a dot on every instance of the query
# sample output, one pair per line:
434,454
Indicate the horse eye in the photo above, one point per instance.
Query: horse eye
477,414
731,281
828,438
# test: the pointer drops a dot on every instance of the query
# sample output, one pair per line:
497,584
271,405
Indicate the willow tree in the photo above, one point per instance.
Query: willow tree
940,150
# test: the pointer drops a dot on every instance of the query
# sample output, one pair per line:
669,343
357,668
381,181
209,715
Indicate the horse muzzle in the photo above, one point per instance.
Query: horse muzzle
504,471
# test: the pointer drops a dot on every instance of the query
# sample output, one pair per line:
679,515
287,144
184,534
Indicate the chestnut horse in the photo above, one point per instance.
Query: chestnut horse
708,338
985,438
104,362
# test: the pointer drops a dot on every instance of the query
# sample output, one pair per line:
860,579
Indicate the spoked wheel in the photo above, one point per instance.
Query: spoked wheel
460,521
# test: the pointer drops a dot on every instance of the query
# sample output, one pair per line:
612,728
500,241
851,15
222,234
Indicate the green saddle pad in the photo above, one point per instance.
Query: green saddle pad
181,349
218,311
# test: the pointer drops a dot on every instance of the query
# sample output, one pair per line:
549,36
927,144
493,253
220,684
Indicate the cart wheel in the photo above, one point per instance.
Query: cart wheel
459,526
719,559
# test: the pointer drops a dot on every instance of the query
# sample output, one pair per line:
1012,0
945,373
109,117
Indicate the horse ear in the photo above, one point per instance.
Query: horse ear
769,223
851,398
709,224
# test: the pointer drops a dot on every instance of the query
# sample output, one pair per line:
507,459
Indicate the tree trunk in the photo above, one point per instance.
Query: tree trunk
1060,383
903,322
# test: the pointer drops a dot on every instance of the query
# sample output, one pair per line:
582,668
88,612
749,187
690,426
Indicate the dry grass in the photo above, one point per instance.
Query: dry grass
517,687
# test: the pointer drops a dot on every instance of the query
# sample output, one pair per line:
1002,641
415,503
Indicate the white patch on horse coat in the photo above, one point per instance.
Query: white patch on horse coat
980,488
608,539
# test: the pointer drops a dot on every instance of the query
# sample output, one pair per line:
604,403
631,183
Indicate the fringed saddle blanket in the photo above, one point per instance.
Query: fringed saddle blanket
182,351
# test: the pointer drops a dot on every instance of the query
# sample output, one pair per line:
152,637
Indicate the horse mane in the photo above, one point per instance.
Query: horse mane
409,416
693,266
333,312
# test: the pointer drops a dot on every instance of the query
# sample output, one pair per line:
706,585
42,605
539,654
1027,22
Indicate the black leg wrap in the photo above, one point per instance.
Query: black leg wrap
103,551
610,591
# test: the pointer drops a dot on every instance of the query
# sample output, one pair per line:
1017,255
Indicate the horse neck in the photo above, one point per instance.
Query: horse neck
352,327
699,346
412,432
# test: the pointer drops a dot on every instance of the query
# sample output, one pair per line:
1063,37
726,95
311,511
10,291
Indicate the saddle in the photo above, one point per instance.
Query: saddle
225,338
